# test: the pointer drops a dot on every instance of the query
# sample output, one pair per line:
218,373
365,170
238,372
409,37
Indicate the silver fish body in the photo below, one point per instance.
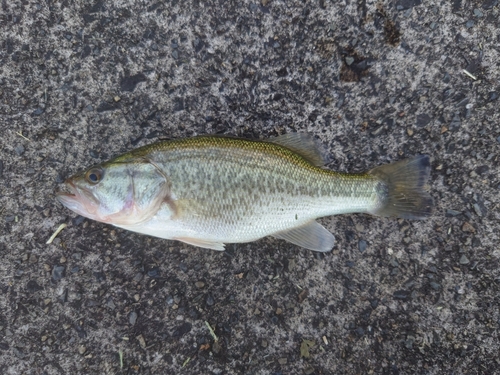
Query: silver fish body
208,191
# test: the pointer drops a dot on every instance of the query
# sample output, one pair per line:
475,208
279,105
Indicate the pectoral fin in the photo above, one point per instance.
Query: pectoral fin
312,236
202,243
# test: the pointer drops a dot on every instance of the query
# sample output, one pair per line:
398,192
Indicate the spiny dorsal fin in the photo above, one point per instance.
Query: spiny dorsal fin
302,144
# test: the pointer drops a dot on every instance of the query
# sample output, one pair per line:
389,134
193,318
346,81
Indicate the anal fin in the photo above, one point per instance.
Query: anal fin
202,243
312,236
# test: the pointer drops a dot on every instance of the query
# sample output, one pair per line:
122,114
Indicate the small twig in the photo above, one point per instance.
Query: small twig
470,75
120,354
58,230
211,331
21,135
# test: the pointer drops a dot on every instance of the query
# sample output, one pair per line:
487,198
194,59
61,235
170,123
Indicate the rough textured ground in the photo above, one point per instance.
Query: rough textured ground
373,81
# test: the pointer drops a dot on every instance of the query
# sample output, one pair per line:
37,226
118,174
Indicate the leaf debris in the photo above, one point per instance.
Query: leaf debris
304,348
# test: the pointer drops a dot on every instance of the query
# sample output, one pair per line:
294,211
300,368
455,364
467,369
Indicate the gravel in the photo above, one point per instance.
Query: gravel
374,82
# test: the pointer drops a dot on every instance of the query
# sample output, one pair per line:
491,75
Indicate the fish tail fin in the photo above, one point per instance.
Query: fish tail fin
402,191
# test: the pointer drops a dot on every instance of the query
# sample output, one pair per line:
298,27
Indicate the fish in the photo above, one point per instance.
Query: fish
209,191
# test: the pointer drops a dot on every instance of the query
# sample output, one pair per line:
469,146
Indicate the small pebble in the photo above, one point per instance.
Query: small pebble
362,245
477,209
349,264
94,154
210,300
19,150
154,272
132,318
435,285
19,354
111,304
409,342
141,340
468,228
423,119
199,284
58,272
455,123
82,349
77,220
349,60
33,286
401,294
464,260
450,212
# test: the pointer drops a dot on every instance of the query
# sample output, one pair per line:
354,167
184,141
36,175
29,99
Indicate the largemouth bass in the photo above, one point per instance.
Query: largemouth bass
208,191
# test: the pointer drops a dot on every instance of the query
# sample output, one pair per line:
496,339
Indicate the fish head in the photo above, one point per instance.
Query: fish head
116,193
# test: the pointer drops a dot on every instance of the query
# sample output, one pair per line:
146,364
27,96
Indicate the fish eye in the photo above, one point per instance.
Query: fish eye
94,175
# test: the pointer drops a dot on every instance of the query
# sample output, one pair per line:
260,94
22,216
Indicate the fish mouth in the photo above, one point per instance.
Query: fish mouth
77,199
68,195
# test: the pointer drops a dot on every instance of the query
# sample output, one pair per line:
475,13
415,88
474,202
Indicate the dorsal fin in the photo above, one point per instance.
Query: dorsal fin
302,144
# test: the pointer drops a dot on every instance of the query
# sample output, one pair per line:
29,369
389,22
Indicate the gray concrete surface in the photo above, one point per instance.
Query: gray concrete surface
374,81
